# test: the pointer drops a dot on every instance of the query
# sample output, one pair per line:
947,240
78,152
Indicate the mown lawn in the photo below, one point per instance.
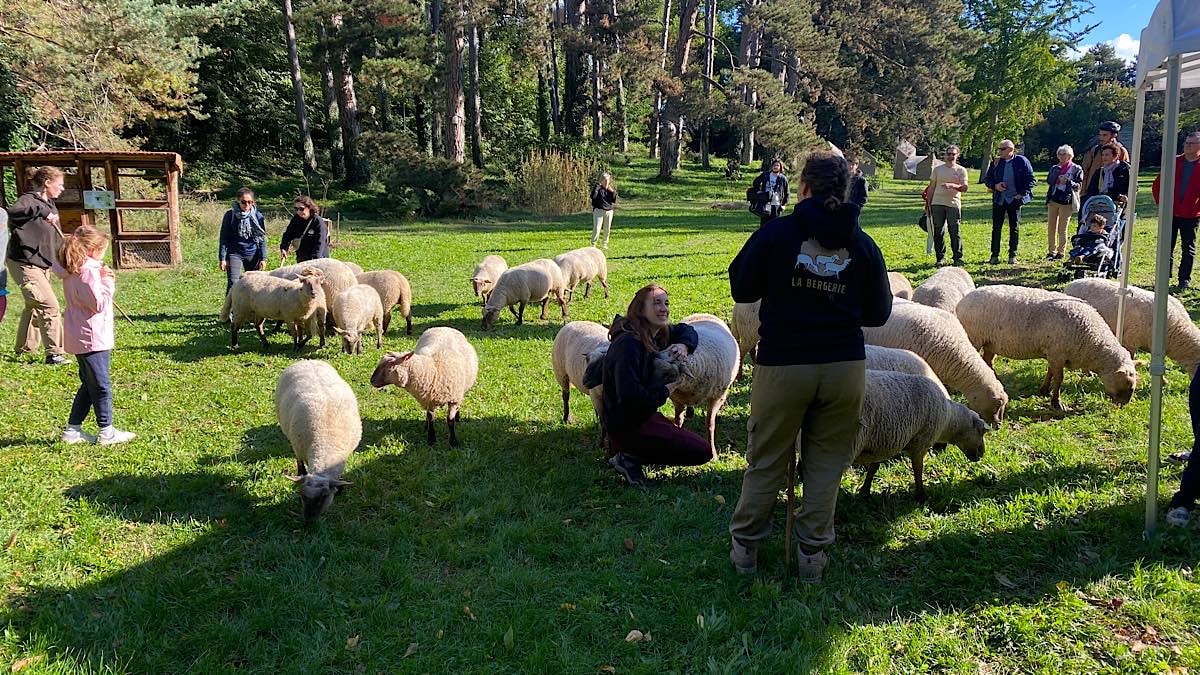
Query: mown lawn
521,551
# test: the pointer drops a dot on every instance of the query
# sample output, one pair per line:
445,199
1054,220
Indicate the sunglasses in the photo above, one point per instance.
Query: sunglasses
245,202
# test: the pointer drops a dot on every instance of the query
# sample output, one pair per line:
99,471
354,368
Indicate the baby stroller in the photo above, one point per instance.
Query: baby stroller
1097,255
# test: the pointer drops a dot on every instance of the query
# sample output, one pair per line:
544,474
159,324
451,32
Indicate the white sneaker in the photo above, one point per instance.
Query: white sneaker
74,435
113,435
1178,516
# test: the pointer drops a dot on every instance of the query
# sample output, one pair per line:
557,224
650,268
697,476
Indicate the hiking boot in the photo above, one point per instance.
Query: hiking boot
941,262
629,469
809,568
1179,516
1050,256
1012,259
1058,256
744,558
994,260
56,360
1184,285
74,434
957,262
111,436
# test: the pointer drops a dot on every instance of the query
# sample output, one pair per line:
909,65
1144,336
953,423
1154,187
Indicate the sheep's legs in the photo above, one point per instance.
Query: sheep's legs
301,470
988,357
408,325
452,416
566,398
258,327
1056,388
711,423
545,304
918,468
430,435
587,288
387,320
562,302
379,329
521,312
865,490
679,415
233,334
604,282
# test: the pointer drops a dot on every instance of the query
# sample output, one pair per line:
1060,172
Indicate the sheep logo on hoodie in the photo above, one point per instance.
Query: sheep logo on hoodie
816,261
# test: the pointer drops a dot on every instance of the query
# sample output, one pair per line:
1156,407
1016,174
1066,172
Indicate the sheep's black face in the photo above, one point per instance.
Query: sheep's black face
315,500
489,318
477,286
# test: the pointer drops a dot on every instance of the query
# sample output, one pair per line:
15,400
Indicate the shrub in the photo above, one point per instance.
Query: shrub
733,169
416,183
555,183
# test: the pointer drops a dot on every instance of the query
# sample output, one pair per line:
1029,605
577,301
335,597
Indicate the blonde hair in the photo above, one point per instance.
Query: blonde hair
78,246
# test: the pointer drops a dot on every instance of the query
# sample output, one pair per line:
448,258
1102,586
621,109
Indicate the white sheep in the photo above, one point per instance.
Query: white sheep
901,286
910,414
900,361
1183,337
569,359
535,281
1031,323
337,276
394,291
487,273
583,265
318,414
439,371
711,369
936,336
354,267
944,288
257,297
357,310
745,331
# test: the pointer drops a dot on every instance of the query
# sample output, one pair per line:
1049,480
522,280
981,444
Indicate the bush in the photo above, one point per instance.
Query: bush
415,183
555,183
733,170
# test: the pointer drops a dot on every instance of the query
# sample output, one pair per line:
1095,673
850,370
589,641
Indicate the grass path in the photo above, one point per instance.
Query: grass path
183,552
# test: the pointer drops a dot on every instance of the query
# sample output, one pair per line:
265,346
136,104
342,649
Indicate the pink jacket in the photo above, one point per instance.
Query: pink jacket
88,319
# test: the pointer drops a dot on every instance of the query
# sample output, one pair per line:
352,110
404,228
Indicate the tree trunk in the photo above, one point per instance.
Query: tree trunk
329,99
597,113
356,168
421,126
382,98
306,144
991,142
555,94
792,87
622,120
543,109
575,100
670,135
656,112
474,101
456,117
710,17
748,56
437,119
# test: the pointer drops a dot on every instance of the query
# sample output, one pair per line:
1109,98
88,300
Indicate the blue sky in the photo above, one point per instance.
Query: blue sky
1120,23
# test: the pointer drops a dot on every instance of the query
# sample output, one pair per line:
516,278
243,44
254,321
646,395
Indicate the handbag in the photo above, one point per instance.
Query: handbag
923,221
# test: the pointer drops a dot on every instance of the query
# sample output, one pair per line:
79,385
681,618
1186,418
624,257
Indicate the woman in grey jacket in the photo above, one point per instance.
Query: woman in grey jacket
1062,200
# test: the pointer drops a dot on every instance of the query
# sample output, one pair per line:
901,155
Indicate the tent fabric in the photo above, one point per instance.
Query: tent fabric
1174,29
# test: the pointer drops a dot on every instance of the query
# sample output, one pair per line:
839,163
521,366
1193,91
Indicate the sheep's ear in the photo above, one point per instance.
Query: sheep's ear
294,479
404,357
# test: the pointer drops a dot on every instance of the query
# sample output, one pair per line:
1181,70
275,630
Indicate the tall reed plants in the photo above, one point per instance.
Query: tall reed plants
555,183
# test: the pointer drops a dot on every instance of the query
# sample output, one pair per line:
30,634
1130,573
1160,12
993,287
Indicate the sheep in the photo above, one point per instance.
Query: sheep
1183,337
745,331
394,291
572,345
357,310
1031,323
583,265
535,281
487,272
354,267
901,361
318,414
944,288
338,277
712,368
257,297
901,286
936,336
439,371
910,414
665,369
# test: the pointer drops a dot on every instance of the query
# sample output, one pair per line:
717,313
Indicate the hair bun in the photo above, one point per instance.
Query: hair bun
832,203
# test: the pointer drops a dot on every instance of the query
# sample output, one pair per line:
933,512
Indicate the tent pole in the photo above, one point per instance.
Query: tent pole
1135,160
1162,273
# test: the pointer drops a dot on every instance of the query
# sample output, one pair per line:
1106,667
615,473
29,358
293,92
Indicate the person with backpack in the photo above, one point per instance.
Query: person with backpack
308,229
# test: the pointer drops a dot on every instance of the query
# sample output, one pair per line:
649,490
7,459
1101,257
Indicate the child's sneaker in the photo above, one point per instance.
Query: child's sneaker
113,435
74,434
1179,516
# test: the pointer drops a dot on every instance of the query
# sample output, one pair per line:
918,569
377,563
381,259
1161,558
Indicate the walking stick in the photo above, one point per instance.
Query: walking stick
118,308
791,506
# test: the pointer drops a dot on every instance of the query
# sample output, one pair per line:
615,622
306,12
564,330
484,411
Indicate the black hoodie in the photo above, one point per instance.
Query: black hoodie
821,279
631,395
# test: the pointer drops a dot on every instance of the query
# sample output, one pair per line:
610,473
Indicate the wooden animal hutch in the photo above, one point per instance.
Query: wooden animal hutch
142,210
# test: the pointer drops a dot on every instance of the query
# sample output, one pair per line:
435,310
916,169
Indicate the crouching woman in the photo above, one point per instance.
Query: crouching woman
638,433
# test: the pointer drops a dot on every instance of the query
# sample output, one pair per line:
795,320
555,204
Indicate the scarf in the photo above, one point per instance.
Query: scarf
247,223
1106,176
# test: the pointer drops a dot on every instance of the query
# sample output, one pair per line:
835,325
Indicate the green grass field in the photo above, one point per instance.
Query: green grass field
184,552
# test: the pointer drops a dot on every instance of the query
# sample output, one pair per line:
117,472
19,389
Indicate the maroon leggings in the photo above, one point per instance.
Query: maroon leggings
658,441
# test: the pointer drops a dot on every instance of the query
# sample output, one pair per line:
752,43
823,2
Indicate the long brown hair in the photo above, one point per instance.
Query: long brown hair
78,246
652,338
307,202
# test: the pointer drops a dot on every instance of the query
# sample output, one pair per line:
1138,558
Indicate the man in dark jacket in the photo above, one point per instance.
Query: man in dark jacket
858,183
1185,215
32,251
1010,178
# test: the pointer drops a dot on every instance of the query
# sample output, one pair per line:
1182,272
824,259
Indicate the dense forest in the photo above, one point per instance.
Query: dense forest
424,97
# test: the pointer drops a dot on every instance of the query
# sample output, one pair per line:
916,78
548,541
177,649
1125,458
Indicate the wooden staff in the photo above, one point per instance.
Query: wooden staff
791,515
118,307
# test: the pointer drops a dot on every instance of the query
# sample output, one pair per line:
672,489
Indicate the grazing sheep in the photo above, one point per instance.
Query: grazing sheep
438,372
944,288
583,265
355,311
394,291
257,297
900,361
572,345
487,273
354,267
901,286
711,369
910,414
745,331
1031,323
318,413
936,336
1183,337
535,281
338,277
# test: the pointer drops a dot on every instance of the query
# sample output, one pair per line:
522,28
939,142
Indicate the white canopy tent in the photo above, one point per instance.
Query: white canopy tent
1168,60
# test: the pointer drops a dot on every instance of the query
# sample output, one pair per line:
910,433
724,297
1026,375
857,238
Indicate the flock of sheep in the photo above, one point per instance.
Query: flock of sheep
941,337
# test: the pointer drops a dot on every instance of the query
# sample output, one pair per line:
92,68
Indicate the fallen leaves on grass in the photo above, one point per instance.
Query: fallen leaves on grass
720,499
412,648
629,545
12,539
352,643
24,663
636,635
567,606
1004,581
509,638
469,614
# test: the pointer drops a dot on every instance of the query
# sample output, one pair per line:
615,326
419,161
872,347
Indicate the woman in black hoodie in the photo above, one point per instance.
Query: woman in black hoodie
637,433
821,279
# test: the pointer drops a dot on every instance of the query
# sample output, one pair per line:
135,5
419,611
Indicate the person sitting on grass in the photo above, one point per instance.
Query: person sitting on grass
638,433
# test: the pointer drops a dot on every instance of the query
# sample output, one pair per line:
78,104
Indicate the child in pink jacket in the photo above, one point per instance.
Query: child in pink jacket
89,286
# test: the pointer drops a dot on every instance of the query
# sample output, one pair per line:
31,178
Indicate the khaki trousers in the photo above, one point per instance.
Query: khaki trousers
1058,218
41,305
820,403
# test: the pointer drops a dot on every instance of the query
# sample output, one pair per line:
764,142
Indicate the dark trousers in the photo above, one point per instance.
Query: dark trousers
1189,483
946,218
95,389
236,266
1185,229
1013,211
659,441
